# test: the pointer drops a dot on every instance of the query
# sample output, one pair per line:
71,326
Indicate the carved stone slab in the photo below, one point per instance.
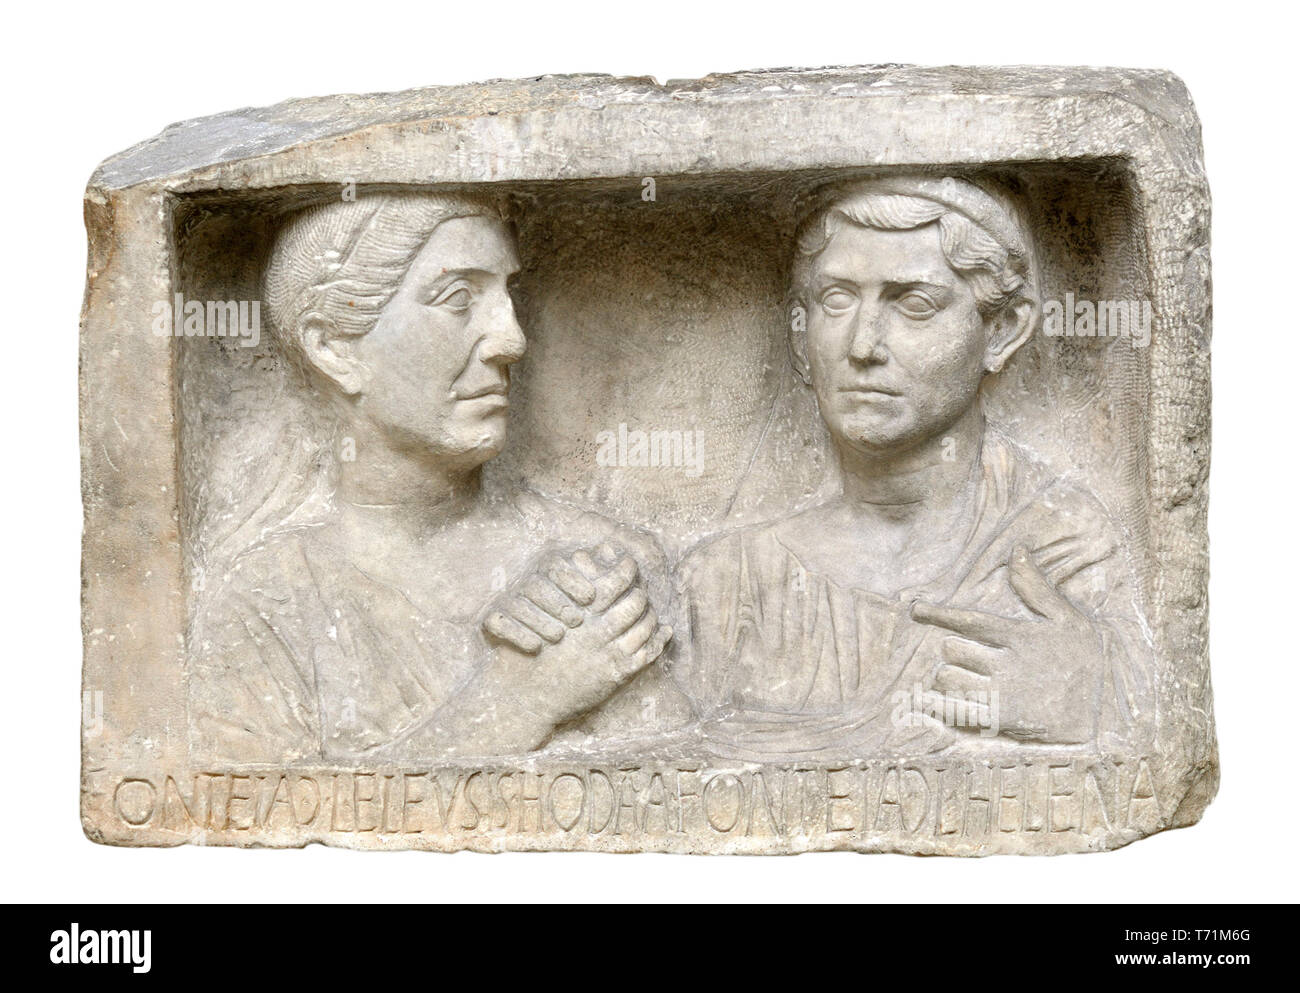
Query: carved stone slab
773,462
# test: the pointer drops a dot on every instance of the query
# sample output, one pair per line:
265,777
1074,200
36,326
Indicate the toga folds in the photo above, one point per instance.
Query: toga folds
783,662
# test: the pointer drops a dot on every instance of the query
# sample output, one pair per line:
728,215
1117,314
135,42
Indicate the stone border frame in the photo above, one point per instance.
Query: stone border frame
133,591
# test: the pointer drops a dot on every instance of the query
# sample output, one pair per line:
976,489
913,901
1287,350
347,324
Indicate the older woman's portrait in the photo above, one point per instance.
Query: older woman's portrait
382,602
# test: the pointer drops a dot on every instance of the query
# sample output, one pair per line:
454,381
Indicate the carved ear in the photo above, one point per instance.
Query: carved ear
798,340
1009,328
332,354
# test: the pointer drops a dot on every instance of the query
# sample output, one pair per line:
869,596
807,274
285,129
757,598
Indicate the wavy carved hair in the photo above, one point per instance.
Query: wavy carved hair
998,273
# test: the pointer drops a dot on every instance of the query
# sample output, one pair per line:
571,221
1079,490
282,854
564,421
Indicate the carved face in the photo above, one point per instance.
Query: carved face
896,344
437,362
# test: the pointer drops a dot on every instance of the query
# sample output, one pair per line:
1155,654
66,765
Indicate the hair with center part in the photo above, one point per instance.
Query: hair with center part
342,262
998,267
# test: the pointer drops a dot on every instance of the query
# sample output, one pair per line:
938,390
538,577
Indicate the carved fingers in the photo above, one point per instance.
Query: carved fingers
531,617
651,649
545,596
501,627
585,625
642,641
1037,591
610,579
566,577
595,596
970,656
1043,672
631,635
627,618
542,606
977,625
958,709
957,680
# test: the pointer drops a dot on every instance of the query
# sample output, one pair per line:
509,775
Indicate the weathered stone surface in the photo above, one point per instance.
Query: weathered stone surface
773,462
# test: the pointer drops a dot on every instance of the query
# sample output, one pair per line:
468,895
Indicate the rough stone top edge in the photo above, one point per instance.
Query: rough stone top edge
256,131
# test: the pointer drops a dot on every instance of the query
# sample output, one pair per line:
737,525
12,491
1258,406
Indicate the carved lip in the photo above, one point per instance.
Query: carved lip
493,389
872,390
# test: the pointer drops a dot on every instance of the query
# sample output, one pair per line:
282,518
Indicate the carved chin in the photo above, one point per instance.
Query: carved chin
877,429
474,446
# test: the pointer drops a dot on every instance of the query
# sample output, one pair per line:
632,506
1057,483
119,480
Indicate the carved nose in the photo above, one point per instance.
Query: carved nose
867,346
505,341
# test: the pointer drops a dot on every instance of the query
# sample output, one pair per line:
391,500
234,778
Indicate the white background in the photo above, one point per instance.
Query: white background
85,82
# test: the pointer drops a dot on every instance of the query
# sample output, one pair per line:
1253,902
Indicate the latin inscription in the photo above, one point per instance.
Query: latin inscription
957,801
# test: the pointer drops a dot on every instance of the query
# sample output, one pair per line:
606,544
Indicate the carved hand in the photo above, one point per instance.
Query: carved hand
575,632
1047,672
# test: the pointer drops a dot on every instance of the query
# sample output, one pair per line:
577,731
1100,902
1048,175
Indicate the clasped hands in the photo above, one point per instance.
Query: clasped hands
574,631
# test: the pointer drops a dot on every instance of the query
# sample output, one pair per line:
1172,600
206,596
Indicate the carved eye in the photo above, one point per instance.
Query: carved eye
457,299
917,306
837,300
